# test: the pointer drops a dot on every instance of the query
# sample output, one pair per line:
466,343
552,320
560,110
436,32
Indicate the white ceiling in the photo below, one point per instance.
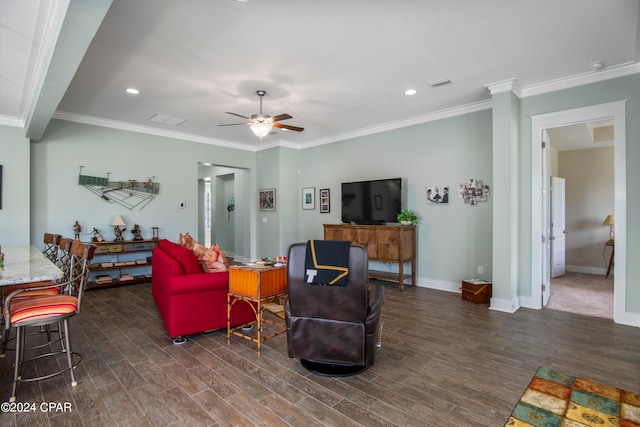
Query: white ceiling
339,68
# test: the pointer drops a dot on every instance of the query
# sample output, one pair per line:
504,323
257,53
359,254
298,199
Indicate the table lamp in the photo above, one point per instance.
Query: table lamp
610,220
116,223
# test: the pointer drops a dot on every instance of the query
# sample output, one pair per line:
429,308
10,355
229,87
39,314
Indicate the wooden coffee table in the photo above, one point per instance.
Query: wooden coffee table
256,286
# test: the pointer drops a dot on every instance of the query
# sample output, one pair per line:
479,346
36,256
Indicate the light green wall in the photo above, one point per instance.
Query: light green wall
506,107
623,88
14,215
58,200
452,239
268,222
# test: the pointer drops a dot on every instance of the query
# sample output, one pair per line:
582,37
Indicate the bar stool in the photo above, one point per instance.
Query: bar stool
45,310
57,249
51,246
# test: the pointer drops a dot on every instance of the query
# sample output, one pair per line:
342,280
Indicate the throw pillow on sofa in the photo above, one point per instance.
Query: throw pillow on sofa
185,257
190,243
213,259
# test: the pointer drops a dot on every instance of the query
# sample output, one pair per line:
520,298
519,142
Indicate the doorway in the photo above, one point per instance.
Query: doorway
224,216
581,193
540,257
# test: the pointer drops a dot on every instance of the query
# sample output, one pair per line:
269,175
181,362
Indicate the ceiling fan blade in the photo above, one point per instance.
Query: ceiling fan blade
234,114
235,124
281,126
280,117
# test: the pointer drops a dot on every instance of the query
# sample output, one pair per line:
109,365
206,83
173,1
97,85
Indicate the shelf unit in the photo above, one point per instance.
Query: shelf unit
130,258
385,243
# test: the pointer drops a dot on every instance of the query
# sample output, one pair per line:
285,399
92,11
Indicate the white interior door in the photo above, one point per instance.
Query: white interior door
546,231
558,227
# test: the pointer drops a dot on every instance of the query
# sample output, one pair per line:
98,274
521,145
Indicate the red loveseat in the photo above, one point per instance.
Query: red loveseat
189,300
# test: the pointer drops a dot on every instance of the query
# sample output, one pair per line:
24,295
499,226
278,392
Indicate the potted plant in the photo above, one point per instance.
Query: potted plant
407,217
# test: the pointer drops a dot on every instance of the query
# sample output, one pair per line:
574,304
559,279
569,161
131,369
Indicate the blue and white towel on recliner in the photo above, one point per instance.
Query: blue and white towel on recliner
327,262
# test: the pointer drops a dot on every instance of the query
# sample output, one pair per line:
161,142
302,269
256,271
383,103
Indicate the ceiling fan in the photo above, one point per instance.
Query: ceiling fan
261,124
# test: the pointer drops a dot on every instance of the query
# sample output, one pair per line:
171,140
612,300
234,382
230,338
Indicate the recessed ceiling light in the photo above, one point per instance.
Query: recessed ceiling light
596,65
132,91
410,92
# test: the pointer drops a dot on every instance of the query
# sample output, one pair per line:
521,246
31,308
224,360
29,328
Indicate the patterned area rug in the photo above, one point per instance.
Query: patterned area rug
276,309
555,399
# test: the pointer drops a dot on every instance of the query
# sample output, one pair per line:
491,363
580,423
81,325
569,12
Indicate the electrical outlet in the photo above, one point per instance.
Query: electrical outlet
480,269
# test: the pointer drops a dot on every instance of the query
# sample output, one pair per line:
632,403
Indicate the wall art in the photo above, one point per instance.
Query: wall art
131,194
267,199
325,201
309,198
473,192
438,194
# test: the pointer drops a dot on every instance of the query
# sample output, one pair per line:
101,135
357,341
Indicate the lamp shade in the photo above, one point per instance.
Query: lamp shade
118,221
261,129
609,220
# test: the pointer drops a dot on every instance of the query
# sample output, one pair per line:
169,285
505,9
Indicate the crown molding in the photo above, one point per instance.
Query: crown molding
431,117
439,115
508,85
11,121
95,121
582,79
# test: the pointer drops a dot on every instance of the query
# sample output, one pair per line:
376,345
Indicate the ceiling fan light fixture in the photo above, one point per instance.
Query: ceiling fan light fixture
261,129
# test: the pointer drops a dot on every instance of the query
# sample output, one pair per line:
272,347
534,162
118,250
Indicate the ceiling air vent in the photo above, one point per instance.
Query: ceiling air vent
439,83
167,120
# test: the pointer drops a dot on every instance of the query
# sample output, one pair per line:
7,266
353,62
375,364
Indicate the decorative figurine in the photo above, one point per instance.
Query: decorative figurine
117,231
97,235
119,227
136,232
77,228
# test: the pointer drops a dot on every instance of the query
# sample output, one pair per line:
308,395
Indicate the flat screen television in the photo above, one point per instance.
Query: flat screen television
371,202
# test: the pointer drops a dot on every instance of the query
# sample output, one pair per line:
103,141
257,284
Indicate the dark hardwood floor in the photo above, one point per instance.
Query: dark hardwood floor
443,362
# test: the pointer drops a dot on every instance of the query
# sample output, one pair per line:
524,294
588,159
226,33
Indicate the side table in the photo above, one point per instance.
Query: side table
256,286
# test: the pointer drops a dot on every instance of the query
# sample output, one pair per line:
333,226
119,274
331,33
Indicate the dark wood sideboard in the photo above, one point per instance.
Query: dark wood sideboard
384,243
124,262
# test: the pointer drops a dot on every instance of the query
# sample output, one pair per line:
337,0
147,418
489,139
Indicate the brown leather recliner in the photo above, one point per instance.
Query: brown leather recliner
333,330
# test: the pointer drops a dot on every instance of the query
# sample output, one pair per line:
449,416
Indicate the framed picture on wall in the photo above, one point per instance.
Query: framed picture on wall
325,201
309,198
267,199
438,194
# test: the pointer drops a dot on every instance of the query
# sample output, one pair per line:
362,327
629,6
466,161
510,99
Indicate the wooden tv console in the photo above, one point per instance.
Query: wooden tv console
384,243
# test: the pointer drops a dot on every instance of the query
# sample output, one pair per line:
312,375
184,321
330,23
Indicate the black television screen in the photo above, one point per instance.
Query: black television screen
371,202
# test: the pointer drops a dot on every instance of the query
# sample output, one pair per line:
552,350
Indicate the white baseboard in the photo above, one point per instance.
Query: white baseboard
586,270
505,305
530,302
627,318
441,285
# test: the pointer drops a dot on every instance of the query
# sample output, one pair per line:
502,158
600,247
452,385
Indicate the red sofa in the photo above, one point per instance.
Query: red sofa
189,300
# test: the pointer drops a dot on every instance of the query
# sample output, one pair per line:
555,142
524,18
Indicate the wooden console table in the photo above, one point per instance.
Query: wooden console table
384,243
